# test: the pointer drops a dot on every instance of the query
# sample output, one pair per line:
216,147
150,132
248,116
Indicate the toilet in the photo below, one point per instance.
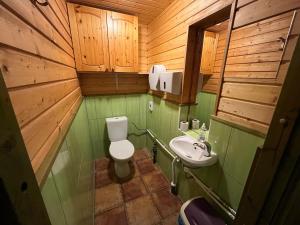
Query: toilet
120,149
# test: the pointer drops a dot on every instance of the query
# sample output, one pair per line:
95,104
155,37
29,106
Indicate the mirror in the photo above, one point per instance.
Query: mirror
209,73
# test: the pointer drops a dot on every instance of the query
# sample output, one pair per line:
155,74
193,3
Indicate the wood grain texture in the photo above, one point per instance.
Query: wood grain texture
167,34
104,40
90,38
37,61
123,42
146,10
261,9
210,83
251,85
108,83
209,49
142,49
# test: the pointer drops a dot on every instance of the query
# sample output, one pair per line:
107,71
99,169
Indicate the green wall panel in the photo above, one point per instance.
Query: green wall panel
71,183
52,202
235,149
100,107
205,107
68,190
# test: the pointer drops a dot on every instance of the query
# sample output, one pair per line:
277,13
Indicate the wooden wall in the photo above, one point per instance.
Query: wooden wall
210,83
167,34
251,83
143,61
37,61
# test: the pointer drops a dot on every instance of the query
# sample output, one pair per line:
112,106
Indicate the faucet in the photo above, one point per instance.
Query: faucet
205,146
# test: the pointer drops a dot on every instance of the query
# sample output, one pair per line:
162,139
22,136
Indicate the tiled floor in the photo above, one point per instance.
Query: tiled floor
144,198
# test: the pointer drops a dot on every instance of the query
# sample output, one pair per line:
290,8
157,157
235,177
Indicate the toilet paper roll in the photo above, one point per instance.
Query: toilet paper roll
184,126
195,124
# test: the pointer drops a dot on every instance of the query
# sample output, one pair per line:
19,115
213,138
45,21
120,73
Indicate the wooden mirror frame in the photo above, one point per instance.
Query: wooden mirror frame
194,52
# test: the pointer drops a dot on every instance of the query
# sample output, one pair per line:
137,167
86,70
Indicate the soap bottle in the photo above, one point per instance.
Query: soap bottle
203,130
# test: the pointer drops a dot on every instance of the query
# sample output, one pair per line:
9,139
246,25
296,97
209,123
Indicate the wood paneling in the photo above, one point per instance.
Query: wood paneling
123,42
104,40
37,61
256,10
107,83
167,34
146,10
251,86
210,83
209,49
280,137
90,38
142,45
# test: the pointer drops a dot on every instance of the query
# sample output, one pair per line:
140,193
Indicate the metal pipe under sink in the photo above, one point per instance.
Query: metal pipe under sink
227,209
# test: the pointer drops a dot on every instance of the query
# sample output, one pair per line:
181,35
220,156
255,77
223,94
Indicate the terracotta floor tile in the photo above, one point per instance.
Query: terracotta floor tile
166,202
155,181
171,220
104,177
116,216
133,189
107,197
142,211
141,154
102,164
145,166
136,170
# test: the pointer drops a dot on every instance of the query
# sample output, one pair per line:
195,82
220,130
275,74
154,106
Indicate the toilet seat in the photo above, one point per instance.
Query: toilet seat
121,150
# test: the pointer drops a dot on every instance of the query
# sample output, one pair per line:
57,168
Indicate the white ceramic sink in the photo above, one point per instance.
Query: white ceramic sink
192,156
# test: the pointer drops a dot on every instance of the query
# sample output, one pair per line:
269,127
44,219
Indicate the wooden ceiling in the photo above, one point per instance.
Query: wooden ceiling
146,10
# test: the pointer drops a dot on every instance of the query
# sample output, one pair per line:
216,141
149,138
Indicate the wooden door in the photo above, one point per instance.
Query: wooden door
208,52
89,34
123,42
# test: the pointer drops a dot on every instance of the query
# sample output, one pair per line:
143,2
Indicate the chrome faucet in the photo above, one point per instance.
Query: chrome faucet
205,146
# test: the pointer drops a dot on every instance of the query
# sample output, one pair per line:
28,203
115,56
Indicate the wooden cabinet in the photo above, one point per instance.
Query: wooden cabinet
103,40
123,42
208,52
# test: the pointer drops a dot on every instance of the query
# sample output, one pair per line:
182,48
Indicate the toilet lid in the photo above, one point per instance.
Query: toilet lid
121,149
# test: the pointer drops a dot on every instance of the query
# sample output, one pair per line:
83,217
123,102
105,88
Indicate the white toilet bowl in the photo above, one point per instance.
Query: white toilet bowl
121,152
120,149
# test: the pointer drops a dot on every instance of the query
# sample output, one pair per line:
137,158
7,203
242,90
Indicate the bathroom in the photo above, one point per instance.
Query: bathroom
149,112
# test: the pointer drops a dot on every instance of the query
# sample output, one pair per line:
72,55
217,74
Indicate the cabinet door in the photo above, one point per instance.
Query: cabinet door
123,42
208,52
89,35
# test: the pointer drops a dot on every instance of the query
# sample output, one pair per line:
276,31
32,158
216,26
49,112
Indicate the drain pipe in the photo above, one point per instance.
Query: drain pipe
154,151
174,177
172,155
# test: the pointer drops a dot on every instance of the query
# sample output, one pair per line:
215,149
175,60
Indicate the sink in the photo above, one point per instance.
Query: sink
190,155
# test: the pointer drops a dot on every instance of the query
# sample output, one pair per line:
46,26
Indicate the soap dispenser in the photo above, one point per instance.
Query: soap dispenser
202,135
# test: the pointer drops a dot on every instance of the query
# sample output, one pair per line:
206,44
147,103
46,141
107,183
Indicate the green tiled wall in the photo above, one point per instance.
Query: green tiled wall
101,107
235,149
68,190
204,108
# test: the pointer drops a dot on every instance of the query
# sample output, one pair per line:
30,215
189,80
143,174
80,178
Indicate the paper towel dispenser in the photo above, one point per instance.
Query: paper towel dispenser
171,82
154,75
